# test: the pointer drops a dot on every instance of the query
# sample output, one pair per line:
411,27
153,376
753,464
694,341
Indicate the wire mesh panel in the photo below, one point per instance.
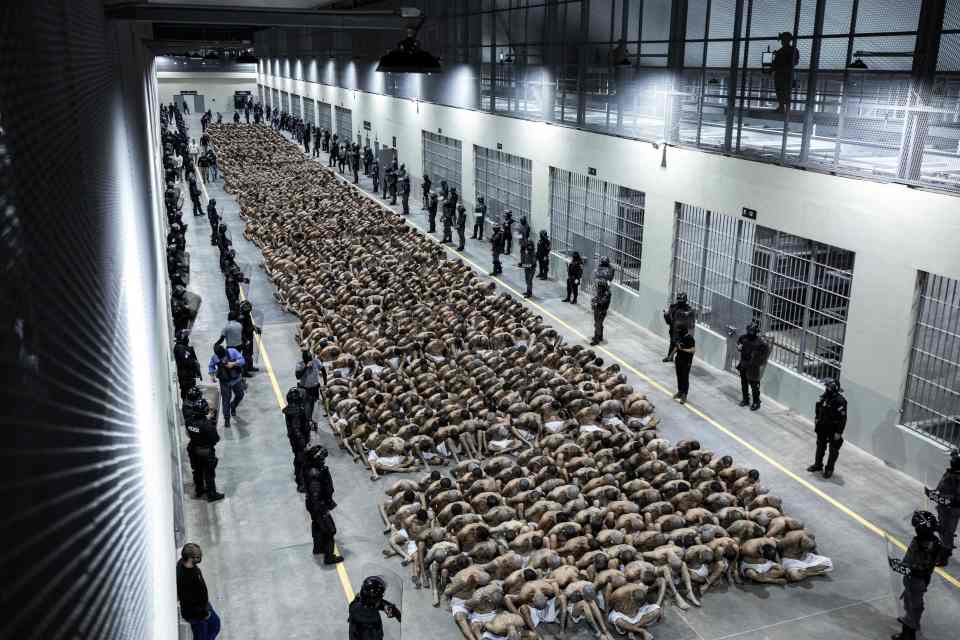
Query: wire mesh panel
504,180
597,218
931,401
442,160
324,115
735,271
284,102
309,111
296,105
260,98
345,124
276,99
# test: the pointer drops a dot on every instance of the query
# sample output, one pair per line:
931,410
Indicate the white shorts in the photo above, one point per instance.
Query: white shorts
482,617
809,561
492,636
458,605
576,607
590,428
763,567
703,571
500,444
390,461
547,614
646,609
554,426
410,547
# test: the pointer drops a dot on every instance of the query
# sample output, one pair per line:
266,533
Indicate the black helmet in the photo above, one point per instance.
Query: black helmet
294,396
372,591
682,298
753,329
246,307
318,454
832,386
924,522
604,261
179,291
183,336
213,201
195,394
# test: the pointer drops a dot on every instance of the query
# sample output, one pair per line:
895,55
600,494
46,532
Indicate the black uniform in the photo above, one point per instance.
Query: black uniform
247,344
574,274
754,352
405,194
831,418
479,217
392,184
425,187
919,564
320,502
231,286
461,226
948,511
683,362
355,164
528,262
375,175
298,433
364,623
334,152
680,314
180,311
214,217
600,303
188,366
432,212
202,431
543,255
496,246
507,233
195,197
448,217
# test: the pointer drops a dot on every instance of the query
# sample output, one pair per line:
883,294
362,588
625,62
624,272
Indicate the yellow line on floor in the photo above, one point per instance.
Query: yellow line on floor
659,387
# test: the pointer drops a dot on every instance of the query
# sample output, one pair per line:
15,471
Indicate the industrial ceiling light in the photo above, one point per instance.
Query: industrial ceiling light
857,64
408,57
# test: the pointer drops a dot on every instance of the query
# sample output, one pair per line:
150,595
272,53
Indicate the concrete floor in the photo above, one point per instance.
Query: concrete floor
265,583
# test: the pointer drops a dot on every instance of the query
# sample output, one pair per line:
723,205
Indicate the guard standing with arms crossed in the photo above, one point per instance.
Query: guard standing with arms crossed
543,254
917,568
461,226
432,211
574,273
479,218
830,420
496,247
600,304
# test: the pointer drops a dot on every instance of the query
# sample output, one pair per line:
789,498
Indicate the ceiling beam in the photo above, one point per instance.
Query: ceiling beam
356,20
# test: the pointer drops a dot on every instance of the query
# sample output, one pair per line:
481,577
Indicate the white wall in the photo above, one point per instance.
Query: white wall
216,87
894,230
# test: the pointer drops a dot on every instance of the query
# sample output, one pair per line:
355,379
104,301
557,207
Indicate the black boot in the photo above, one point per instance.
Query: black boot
831,461
906,633
755,406
944,557
815,467
332,558
743,403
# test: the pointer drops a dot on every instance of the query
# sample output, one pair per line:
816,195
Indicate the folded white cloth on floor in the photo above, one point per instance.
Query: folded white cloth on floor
442,449
547,614
646,609
410,547
763,567
809,561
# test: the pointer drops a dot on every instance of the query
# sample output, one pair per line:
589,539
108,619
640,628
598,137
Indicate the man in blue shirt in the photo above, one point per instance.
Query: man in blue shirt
226,367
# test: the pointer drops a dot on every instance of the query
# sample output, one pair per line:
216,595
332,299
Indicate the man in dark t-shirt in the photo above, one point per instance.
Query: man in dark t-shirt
192,594
686,347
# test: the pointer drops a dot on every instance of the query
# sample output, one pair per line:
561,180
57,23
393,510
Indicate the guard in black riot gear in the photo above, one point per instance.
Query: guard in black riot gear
432,211
425,186
188,366
917,567
528,262
754,352
179,309
195,196
246,345
543,255
947,497
231,285
600,303
393,178
375,175
214,217
479,218
461,223
679,314
405,194
496,247
320,503
298,432
364,618
508,231
201,423
449,214
604,270
830,420
574,274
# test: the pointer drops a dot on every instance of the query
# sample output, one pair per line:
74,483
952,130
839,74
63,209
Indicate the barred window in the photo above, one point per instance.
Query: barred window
309,111
504,180
597,218
276,99
442,160
324,117
284,102
296,106
735,271
345,124
931,401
